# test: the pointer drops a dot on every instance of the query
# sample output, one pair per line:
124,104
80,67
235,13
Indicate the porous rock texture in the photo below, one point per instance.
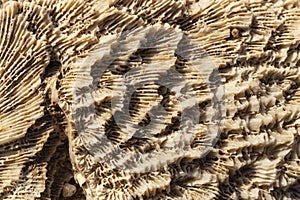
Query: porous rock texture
82,83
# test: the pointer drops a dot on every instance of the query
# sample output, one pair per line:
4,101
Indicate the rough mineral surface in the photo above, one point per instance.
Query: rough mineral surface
149,99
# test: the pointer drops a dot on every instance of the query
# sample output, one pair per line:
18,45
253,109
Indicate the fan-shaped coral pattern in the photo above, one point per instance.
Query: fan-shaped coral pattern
136,99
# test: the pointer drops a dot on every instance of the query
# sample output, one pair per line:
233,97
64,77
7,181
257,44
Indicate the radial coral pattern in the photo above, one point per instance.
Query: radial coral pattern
138,99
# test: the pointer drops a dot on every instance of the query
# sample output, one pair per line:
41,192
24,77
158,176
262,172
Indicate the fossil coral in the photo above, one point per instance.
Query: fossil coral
138,99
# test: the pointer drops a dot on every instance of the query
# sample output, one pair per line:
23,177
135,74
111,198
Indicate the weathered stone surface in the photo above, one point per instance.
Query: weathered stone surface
139,99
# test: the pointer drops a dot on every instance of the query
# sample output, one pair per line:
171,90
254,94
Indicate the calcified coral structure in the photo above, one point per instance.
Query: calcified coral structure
149,99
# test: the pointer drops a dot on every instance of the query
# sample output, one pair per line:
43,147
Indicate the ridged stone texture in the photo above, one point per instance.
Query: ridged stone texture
150,99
